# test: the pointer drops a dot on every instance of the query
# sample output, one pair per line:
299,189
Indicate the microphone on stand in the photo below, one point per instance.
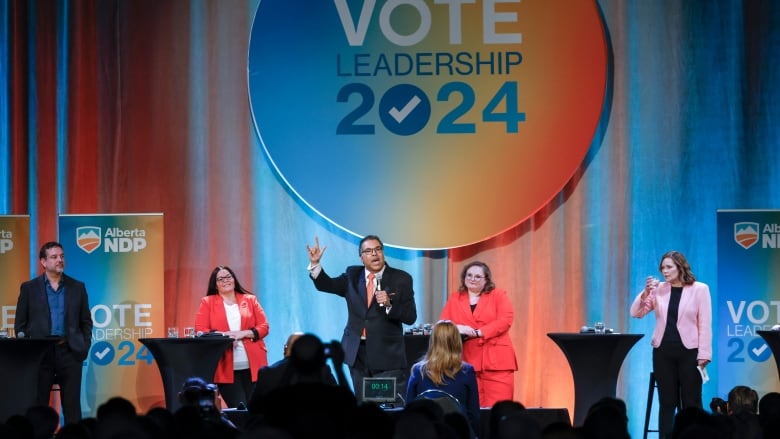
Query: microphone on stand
379,287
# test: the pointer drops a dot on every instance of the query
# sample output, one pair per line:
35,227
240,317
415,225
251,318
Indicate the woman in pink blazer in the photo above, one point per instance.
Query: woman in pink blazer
682,338
484,315
231,310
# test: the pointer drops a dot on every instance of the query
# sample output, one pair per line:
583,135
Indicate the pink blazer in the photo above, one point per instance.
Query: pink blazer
694,320
493,317
211,316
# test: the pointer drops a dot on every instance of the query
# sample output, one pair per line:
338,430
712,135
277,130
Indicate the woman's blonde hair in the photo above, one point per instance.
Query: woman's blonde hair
445,353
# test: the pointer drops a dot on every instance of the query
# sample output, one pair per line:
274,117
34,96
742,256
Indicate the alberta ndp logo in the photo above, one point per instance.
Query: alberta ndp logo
88,238
113,240
746,234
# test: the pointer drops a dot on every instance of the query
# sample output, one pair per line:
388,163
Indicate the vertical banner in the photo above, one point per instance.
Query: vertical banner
120,259
748,284
14,263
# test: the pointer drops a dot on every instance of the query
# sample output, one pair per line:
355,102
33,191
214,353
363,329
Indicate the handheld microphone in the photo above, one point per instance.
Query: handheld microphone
379,287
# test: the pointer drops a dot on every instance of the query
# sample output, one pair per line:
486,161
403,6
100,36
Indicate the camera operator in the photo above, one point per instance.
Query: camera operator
202,398
303,362
300,395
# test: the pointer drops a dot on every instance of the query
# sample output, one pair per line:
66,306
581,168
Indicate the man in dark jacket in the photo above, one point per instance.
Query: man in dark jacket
56,305
380,299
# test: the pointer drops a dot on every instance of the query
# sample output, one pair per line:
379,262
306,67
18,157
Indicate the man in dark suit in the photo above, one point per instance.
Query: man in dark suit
380,299
56,305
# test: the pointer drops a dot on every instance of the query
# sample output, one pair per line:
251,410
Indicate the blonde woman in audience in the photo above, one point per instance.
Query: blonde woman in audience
443,373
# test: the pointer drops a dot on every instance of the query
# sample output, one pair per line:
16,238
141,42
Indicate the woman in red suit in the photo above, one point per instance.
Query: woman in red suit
231,310
484,315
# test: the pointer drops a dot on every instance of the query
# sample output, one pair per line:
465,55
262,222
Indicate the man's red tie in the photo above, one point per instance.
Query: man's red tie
370,288
369,294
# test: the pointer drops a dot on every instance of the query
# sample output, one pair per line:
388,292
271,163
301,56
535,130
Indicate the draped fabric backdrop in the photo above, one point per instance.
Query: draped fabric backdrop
118,106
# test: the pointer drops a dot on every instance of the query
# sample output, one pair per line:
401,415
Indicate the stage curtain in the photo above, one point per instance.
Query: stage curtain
118,106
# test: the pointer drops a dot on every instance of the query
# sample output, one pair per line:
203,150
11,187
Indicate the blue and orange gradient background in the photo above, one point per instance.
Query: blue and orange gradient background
14,264
154,97
748,283
430,189
118,364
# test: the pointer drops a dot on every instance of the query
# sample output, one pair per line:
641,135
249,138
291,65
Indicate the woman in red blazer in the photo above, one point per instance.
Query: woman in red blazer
484,315
231,310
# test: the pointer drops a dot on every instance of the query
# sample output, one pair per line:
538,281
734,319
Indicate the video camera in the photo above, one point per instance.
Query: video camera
331,348
198,393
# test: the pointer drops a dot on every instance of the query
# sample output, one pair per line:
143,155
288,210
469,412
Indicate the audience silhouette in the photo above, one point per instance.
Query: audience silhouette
44,419
499,411
304,362
304,402
607,418
769,414
742,408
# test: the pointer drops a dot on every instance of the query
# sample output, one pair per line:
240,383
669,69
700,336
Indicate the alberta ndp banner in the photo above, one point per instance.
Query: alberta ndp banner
14,263
120,259
748,285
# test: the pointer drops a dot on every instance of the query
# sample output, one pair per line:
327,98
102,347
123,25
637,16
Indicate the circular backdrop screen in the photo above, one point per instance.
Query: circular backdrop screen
434,124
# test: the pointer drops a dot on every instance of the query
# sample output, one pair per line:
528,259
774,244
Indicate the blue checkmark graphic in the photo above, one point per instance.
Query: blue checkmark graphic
758,350
102,353
404,109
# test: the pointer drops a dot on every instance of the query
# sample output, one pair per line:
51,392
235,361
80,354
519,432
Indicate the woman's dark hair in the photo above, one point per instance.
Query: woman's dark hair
212,290
686,275
489,285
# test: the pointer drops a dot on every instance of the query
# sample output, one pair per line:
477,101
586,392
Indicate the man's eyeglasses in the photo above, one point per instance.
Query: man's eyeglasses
224,278
372,251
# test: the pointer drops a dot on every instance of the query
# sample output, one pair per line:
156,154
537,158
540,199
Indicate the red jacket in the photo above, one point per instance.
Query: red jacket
493,317
211,317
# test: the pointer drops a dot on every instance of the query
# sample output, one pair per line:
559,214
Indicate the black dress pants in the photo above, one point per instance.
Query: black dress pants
61,366
678,380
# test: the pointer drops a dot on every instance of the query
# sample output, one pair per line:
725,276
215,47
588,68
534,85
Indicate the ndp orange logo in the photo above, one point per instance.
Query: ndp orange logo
88,238
746,234
434,124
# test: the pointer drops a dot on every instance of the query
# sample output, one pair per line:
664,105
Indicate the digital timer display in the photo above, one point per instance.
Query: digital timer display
379,389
